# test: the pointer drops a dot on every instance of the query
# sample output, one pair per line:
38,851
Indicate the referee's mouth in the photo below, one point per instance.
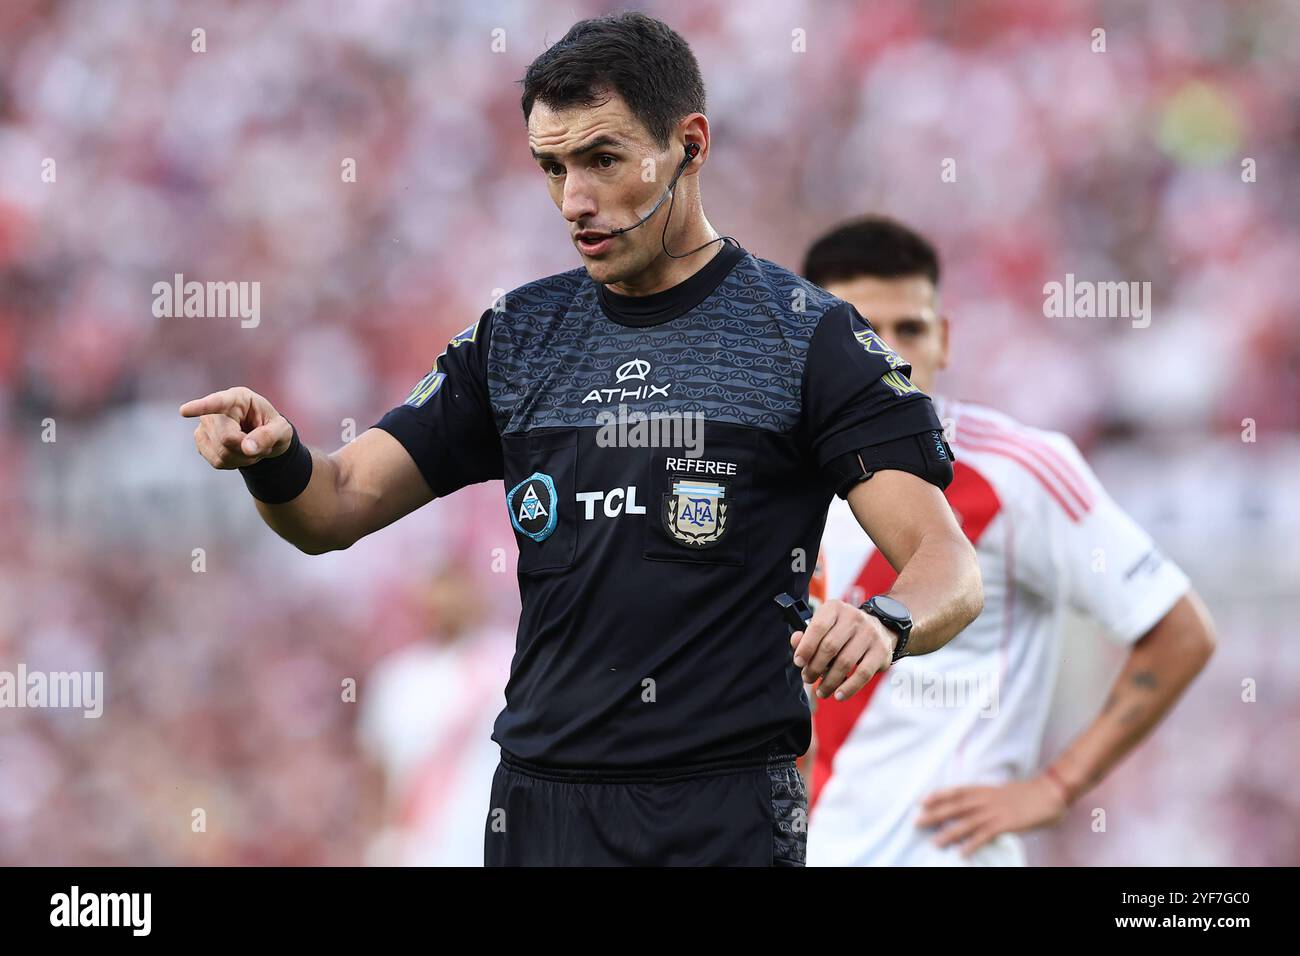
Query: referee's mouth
592,243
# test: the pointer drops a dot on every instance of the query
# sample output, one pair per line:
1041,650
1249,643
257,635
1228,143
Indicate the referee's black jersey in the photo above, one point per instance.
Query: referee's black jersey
667,463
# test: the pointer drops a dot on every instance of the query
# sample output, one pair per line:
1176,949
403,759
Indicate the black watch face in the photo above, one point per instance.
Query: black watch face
891,608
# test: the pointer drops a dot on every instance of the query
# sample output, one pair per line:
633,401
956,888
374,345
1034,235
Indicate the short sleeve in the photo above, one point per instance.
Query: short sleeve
860,407
1079,545
446,423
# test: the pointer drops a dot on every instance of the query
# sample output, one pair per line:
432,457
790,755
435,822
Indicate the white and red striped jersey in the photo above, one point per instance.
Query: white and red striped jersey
1047,537
426,720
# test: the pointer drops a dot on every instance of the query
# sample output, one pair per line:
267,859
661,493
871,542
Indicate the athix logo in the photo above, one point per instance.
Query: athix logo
102,909
635,370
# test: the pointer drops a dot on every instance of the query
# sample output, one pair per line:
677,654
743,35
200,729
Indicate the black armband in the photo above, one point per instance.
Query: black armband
274,481
925,455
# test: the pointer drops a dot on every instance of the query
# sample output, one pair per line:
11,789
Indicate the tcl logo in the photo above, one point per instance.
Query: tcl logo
613,503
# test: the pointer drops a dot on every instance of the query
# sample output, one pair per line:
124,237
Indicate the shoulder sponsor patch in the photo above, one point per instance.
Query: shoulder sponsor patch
467,335
899,383
874,344
428,386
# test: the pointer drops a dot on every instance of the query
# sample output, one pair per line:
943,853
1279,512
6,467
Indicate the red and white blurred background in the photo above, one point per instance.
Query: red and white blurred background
223,686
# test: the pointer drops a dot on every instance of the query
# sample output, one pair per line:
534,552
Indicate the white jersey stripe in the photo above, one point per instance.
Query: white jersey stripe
985,428
1009,450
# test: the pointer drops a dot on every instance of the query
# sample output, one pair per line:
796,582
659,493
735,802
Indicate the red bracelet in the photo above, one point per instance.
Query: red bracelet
1051,774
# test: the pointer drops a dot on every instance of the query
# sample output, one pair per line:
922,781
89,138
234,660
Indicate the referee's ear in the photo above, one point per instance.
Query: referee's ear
694,131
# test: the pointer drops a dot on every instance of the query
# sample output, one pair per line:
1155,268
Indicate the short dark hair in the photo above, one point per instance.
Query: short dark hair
638,57
871,246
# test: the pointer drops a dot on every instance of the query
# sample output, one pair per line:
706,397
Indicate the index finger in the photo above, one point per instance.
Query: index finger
218,403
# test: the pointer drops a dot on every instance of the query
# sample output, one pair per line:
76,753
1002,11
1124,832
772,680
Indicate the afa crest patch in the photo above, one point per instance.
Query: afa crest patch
695,513
533,506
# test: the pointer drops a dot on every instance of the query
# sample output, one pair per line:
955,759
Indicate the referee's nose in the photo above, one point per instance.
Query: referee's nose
579,202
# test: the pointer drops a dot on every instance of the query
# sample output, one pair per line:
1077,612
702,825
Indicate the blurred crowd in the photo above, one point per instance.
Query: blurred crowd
140,140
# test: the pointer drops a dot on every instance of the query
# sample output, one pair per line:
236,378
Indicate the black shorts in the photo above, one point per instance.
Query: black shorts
742,813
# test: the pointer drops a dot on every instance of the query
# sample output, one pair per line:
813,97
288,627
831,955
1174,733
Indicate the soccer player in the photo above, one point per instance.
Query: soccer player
425,722
669,422
938,765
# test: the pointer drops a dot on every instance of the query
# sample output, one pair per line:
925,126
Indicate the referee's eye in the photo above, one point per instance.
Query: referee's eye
553,169
600,161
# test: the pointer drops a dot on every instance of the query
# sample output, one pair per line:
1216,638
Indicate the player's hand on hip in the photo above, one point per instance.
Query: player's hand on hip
970,817
844,647
237,427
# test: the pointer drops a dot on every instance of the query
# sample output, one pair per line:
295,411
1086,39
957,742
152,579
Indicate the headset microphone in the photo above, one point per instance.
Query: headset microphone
692,150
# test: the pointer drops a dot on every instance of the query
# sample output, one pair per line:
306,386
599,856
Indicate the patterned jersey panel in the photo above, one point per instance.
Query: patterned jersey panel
557,360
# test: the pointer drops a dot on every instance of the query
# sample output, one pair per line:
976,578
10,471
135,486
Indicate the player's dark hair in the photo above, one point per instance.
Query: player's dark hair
871,246
638,57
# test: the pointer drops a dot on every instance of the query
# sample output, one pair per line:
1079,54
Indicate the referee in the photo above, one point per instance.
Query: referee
656,701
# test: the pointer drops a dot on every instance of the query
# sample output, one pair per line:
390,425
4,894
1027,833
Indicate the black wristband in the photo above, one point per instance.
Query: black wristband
274,481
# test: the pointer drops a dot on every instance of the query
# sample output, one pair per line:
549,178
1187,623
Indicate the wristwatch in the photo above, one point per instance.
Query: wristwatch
895,616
